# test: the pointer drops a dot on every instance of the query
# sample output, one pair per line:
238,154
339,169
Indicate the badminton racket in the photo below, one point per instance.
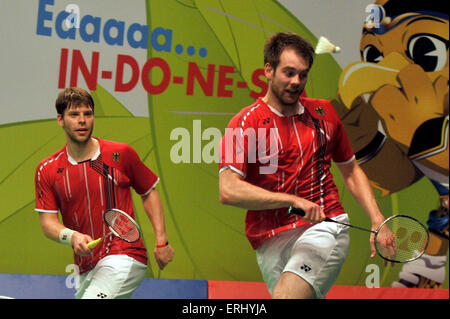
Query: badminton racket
121,225
410,236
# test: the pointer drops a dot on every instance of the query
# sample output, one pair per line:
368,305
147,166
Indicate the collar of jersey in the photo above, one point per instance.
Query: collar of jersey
274,110
74,162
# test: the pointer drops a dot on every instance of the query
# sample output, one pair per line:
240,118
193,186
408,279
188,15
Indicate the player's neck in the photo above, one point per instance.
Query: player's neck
286,110
81,152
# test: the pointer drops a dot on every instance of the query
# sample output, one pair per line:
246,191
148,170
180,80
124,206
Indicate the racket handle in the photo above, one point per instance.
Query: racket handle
296,211
94,243
300,212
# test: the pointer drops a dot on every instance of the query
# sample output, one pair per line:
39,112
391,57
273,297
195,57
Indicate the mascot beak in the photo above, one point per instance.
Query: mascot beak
362,78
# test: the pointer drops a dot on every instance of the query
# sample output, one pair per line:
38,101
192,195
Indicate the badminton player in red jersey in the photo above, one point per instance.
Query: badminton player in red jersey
81,180
276,153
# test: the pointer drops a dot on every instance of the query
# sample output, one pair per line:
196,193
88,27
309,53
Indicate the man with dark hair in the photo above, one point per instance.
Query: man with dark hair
298,257
274,48
82,180
73,96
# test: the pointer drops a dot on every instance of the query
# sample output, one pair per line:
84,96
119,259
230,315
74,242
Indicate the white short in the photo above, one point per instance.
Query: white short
114,277
314,252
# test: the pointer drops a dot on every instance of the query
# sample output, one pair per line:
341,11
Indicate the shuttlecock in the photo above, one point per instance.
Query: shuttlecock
325,46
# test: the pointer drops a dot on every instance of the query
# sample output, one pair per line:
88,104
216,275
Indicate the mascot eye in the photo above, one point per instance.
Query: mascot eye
428,51
371,54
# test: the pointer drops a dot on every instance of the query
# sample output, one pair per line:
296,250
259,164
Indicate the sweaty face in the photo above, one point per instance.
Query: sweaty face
78,123
288,80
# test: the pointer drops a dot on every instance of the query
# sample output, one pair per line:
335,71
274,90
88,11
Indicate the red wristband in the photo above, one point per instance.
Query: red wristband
162,245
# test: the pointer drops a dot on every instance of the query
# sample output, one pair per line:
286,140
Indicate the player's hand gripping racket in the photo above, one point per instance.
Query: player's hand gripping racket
121,225
410,238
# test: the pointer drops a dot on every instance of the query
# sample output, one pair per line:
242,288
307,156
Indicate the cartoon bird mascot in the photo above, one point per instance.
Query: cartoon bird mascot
394,105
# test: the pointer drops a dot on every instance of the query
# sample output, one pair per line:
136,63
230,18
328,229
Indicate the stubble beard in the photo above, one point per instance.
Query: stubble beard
279,92
79,141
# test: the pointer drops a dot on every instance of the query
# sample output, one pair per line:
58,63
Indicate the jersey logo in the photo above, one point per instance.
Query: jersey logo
60,170
320,111
116,156
266,120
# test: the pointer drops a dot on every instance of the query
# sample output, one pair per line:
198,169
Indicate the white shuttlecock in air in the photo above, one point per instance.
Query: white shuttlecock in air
325,46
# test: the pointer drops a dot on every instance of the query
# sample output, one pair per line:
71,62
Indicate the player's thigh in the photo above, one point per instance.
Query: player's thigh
273,255
318,255
115,276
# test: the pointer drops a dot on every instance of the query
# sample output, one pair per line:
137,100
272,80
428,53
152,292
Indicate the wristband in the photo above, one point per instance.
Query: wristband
65,236
162,245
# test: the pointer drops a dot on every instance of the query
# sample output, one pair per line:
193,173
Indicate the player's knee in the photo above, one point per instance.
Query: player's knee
292,286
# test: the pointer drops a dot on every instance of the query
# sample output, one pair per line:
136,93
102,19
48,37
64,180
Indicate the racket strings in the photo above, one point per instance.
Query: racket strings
410,239
122,225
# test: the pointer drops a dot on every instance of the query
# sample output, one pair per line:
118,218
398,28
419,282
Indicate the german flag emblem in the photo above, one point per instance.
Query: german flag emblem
116,156
320,111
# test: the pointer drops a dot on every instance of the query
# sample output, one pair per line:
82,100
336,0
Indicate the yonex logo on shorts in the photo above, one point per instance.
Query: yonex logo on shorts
305,268
102,295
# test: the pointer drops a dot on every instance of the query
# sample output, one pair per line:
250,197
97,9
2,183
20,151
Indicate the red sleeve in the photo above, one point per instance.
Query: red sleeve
343,151
45,199
142,179
234,145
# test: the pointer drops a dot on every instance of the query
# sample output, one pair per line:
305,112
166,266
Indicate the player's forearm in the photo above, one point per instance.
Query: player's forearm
239,193
51,226
154,210
359,186
55,230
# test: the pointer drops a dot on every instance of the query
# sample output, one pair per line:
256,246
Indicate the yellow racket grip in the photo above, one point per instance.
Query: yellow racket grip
94,243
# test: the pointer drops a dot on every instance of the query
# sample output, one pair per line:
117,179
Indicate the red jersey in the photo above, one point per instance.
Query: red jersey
286,154
82,191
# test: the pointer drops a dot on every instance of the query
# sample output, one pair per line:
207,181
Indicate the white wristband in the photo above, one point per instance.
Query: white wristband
65,236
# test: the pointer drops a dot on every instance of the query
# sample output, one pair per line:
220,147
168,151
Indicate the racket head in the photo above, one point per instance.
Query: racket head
411,239
122,225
